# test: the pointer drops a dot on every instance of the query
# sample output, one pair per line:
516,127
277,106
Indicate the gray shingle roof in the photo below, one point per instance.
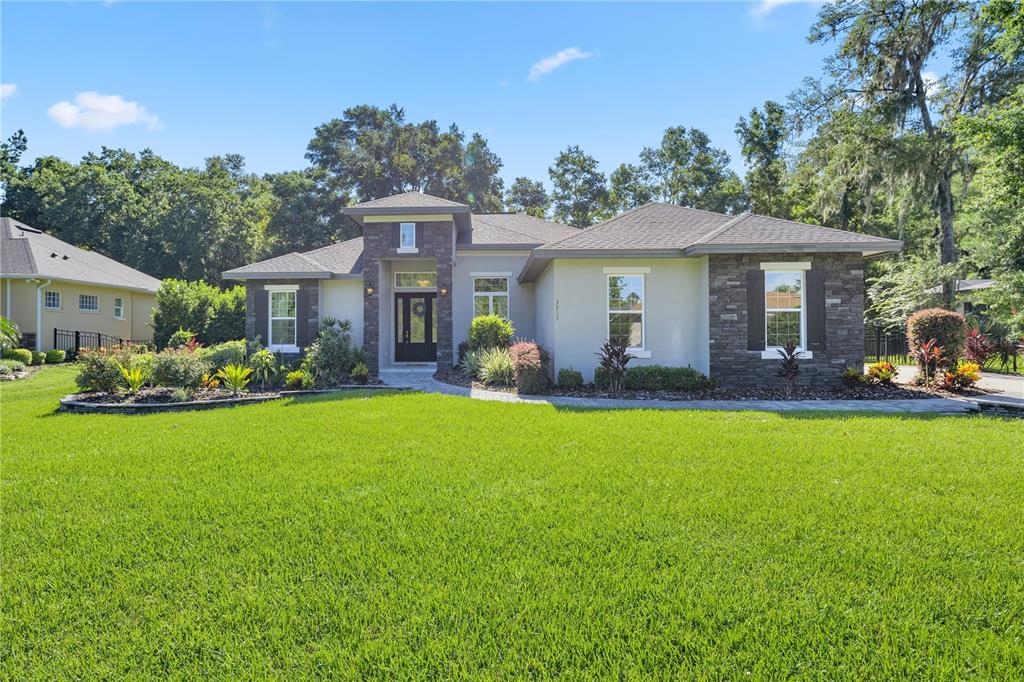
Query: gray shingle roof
750,228
409,200
28,252
492,229
344,258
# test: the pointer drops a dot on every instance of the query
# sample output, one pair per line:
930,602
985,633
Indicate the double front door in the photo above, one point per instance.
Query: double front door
415,327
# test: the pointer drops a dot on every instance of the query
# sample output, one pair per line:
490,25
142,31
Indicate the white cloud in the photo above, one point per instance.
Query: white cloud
8,90
549,64
100,113
931,82
765,7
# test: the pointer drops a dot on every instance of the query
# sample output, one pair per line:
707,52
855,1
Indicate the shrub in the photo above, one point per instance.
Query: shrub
657,378
134,377
10,335
613,359
964,376
23,355
55,357
181,395
209,381
11,366
214,315
38,357
570,379
235,377
882,372
978,347
360,373
463,349
99,369
929,357
470,363
264,365
496,367
179,368
330,359
227,353
181,338
490,331
853,376
529,367
295,379
947,328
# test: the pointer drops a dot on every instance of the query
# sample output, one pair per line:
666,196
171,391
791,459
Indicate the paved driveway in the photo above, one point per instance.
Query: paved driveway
1005,387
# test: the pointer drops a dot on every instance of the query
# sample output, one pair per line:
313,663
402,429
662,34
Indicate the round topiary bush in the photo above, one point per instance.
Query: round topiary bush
490,331
948,328
22,355
55,357
38,357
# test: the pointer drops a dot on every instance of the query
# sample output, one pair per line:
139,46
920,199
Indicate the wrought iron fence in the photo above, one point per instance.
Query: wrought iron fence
72,341
885,345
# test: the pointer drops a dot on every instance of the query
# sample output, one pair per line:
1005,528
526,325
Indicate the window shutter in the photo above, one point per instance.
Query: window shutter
815,301
755,309
262,314
396,235
302,318
419,235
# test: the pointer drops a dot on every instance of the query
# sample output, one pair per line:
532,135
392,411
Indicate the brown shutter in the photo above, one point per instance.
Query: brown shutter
262,313
755,309
302,317
396,236
815,301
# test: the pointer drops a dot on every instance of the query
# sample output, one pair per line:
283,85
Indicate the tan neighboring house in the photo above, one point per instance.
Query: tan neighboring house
52,290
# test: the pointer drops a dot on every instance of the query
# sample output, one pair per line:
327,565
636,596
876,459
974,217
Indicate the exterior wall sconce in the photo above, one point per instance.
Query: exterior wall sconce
369,291
444,292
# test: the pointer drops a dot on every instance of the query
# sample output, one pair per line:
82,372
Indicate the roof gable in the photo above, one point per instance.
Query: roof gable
417,200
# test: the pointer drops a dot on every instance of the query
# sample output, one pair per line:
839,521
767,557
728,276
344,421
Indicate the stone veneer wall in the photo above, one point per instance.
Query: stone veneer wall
378,243
732,365
311,289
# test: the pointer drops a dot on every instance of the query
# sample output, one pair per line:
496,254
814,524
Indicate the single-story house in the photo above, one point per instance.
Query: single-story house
683,287
52,290
965,291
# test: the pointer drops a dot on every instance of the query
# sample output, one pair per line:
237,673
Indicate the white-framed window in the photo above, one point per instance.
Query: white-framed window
783,309
52,300
118,308
415,280
88,303
490,295
626,309
283,323
407,237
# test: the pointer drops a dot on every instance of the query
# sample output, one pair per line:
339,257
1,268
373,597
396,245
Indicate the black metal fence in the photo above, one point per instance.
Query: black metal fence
885,345
73,341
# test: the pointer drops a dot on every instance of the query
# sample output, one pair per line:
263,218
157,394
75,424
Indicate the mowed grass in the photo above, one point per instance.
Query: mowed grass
419,536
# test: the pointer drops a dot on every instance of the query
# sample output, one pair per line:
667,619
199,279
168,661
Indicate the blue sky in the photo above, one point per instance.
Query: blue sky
193,79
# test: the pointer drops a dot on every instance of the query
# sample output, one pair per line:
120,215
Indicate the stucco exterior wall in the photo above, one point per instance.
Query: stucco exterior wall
343,299
675,304
138,309
508,264
544,311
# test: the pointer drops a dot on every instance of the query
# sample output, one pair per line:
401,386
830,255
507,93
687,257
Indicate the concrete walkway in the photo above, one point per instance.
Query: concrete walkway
1000,388
421,380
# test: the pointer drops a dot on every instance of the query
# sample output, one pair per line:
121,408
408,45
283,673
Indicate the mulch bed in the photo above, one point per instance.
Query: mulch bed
163,396
839,392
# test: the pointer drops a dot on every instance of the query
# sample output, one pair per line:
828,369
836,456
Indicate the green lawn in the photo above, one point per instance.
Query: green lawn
420,536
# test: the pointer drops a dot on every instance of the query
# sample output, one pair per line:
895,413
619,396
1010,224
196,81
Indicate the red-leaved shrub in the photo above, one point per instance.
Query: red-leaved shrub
529,364
947,328
978,347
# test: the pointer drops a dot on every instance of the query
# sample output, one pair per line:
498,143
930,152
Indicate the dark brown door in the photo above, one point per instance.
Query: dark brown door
415,328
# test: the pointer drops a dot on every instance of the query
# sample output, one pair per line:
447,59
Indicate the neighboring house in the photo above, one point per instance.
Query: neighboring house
48,285
681,286
965,290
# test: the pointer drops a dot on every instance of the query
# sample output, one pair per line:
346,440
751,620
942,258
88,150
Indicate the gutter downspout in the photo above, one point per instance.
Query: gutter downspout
39,314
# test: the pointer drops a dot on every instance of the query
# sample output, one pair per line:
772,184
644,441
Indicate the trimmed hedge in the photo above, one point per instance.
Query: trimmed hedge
490,331
948,328
569,378
22,355
658,378
38,357
529,366
55,357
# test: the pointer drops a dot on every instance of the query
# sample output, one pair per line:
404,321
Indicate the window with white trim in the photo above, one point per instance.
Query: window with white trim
118,308
89,303
283,325
783,308
490,296
626,309
407,235
52,300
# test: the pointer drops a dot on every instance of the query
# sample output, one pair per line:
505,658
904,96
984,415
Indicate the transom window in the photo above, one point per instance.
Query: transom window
626,310
282,319
783,307
52,301
490,296
89,303
118,308
415,280
407,236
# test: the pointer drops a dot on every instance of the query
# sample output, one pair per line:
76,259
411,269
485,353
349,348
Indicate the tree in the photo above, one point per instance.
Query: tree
631,187
527,196
580,194
688,171
879,68
10,154
762,138
308,214
903,287
484,185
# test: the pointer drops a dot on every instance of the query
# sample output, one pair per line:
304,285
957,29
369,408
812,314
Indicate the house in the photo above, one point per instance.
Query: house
965,294
681,286
52,289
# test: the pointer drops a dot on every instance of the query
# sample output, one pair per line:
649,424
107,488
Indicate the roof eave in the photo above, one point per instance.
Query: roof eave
873,248
399,210
103,285
497,247
242,276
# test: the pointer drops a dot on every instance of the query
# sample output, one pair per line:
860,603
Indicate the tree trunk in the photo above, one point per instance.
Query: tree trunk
947,245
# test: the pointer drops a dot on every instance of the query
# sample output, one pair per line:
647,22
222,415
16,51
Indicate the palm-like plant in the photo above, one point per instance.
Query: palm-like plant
235,377
135,377
613,358
10,335
928,356
789,365
264,364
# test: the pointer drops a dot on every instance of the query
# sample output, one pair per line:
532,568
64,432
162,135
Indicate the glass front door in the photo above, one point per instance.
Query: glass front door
415,328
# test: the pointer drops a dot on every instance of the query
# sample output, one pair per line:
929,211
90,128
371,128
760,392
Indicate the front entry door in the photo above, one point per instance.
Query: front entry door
415,328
